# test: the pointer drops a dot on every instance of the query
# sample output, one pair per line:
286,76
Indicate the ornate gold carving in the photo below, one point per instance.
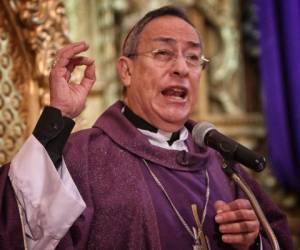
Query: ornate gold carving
30,33
226,85
12,86
44,28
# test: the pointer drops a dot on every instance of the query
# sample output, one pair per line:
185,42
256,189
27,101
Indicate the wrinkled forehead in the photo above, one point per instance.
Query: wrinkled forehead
169,30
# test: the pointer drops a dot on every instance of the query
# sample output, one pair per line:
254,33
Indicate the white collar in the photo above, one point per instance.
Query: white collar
160,139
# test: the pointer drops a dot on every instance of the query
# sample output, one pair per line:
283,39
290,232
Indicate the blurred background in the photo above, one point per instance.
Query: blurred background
249,91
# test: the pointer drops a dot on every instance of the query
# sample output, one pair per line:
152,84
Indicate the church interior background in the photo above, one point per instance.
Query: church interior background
32,30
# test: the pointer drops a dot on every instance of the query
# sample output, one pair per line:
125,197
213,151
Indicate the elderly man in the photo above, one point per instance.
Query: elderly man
136,179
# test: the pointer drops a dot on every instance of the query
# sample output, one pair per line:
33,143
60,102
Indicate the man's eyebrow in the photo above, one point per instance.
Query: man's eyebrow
171,40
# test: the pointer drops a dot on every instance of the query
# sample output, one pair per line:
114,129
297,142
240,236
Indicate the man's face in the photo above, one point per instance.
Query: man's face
164,93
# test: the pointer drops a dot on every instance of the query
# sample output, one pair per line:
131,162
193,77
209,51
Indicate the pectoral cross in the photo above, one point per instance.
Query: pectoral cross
200,240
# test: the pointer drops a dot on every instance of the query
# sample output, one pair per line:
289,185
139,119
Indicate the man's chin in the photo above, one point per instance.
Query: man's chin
171,116
176,117
174,123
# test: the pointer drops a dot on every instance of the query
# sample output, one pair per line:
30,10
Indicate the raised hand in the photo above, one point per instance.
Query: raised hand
238,223
70,97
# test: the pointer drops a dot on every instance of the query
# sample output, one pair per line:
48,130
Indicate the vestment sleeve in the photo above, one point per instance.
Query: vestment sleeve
48,200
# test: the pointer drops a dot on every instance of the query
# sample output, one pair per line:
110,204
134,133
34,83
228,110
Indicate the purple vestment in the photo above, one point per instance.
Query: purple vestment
125,207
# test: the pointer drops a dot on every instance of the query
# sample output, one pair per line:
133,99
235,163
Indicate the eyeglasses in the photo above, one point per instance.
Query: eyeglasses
164,56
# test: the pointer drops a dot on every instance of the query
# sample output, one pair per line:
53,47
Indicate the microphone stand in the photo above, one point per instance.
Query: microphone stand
227,167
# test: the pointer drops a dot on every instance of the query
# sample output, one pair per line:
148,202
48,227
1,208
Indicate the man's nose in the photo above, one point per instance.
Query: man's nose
180,66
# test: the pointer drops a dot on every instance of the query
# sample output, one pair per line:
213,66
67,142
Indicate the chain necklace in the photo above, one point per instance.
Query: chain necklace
200,240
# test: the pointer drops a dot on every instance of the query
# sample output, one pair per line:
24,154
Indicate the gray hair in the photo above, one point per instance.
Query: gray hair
130,43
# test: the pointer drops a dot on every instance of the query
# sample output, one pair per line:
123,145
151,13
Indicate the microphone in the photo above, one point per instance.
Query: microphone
205,134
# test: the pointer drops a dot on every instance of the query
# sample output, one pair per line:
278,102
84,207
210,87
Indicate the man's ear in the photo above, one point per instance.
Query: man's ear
124,67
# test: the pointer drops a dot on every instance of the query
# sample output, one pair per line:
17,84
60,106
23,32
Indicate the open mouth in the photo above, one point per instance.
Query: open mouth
179,92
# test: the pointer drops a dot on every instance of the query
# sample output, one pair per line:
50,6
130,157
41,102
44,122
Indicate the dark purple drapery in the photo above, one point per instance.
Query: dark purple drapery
279,25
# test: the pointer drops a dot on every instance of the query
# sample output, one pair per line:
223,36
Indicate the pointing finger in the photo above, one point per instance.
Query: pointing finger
68,47
77,61
63,58
237,205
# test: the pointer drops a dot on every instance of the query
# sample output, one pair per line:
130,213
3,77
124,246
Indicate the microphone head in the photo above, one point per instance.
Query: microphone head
199,132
